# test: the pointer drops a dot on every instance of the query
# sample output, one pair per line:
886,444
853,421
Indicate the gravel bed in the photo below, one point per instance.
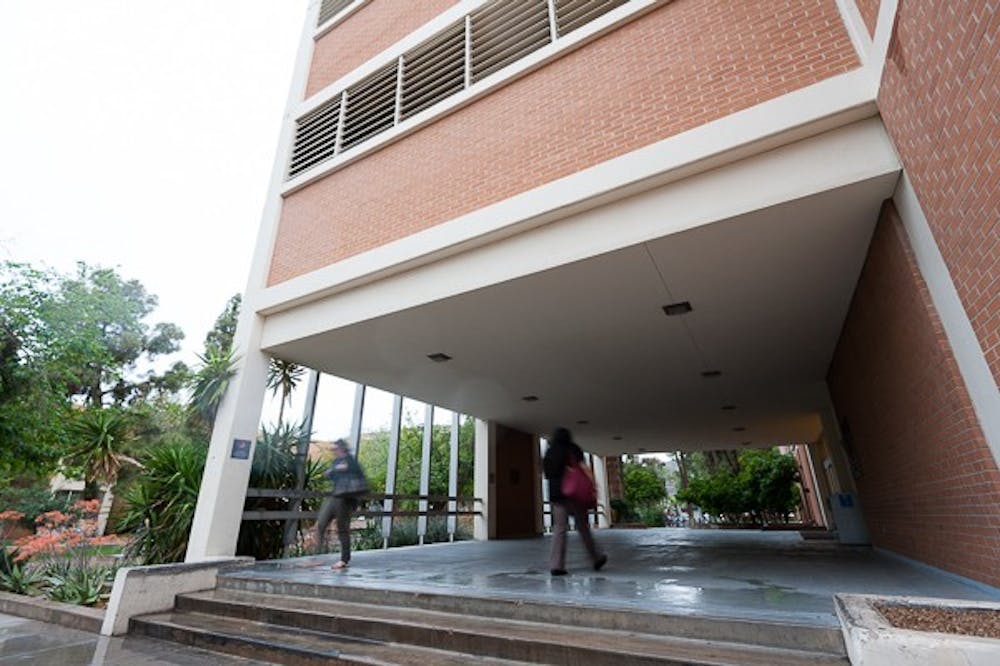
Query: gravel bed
967,621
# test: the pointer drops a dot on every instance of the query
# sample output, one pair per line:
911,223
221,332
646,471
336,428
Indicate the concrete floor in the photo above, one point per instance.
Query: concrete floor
30,643
721,573
746,574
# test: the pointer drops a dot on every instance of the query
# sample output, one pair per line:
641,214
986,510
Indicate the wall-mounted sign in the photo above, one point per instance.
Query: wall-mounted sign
241,449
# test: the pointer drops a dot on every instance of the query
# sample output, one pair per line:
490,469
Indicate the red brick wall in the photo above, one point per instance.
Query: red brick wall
675,68
928,483
869,11
939,99
366,33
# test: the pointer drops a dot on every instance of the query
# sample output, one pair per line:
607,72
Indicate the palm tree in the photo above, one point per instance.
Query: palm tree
101,438
283,376
210,383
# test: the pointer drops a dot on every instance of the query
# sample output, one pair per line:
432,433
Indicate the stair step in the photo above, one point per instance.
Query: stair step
768,633
531,641
288,645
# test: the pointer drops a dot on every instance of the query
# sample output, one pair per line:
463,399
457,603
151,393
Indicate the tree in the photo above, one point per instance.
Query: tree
643,485
220,338
97,337
210,383
283,376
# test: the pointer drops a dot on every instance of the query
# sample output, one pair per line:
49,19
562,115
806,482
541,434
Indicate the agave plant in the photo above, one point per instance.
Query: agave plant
22,579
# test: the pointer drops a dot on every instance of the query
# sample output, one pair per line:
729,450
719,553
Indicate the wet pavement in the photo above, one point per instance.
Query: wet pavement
31,643
719,573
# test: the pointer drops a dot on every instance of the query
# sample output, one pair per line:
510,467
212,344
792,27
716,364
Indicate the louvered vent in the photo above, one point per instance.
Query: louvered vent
315,137
434,70
371,107
506,31
502,32
572,14
329,8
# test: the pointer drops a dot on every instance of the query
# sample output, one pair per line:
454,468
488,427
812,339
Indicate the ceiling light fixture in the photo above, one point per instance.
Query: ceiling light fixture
708,374
746,443
438,357
674,309
582,422
728,408
617,438
530,398
739,428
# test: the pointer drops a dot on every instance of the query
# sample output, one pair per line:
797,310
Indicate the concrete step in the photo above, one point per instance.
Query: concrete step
765,633
281,644
325,622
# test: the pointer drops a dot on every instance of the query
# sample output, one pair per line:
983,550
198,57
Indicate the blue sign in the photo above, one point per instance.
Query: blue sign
241,449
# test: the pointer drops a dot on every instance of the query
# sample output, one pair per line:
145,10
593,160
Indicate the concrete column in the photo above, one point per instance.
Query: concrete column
453,473
390,470
484,483
425,471
359,406
603,499
217,517
543,446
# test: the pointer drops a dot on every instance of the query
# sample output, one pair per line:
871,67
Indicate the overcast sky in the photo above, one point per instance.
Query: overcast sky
141,135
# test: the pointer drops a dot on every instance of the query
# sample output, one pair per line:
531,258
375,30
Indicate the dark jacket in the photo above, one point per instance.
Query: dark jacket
558,457
345,473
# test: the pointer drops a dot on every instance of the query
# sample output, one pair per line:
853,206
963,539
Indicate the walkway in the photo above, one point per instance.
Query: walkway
721,573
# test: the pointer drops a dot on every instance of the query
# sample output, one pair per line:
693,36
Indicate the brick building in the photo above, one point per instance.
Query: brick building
663,223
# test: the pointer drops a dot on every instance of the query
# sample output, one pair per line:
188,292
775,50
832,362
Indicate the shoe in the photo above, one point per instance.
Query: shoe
339,565
600,562
558,572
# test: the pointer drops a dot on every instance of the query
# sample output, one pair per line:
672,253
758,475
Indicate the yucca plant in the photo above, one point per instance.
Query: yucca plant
22,579
211,381
101,438
161,502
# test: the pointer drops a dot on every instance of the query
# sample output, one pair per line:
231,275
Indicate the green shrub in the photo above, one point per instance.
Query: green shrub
650,515
32,501
161,502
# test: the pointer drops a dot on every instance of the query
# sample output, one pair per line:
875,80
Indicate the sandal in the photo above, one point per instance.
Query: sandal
340,565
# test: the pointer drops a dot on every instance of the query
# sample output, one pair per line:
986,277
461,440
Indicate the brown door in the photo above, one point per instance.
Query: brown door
516,489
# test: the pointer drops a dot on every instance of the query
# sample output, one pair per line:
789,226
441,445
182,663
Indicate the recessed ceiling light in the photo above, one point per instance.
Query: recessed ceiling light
530,398
582,422
674,309
711,373
438,357
617,438
728,408
746,443
642,449
739,428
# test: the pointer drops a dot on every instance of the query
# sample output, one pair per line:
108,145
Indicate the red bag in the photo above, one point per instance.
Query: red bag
578,488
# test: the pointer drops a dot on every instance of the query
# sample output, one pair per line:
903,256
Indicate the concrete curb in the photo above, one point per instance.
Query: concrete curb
54,612
872,641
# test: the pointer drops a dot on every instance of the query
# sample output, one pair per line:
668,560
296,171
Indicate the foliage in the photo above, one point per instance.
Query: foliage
66,340
161,502
650,515
762,490
22,579
220,338
283,376
644,483
210,382
273,467
373,455
58,532
101,438
30,502
81,582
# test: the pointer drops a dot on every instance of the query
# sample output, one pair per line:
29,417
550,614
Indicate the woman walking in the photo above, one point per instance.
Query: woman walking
563,453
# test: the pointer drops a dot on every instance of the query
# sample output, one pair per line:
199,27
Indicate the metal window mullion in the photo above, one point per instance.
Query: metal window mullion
338,145
425,472
390,469
359,406
400,66
468,50
553,21
453,476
